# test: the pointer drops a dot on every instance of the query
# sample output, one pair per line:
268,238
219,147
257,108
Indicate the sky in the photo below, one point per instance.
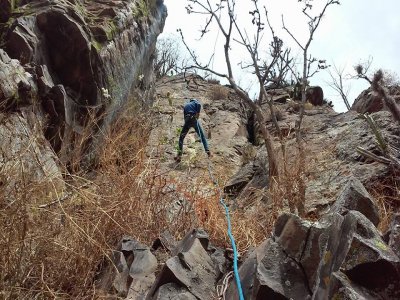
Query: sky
349,33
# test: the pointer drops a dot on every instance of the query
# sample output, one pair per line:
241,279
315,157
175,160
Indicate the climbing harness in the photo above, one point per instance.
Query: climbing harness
228,220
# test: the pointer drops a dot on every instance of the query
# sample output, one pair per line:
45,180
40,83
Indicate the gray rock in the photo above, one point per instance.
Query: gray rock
355,247
291,234
195,269
355,197
140,286
192,268
173,291
120,281
219,259
236,184
186,243
269,273
247,274
343,288
370,262
278,275
132,271
165,240
144,263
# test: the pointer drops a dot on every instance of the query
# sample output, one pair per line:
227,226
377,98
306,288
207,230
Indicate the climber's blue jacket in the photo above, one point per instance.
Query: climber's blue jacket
193,107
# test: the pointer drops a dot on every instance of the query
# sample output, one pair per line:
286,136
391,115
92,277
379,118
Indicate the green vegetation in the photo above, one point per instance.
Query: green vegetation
144,8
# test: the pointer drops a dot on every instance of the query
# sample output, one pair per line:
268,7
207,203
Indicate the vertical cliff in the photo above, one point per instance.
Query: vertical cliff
82,60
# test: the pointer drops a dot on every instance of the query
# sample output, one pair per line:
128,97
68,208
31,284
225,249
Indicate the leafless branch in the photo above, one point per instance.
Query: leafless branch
337,84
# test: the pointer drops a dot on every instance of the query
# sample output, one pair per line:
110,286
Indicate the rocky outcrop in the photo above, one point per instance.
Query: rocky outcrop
131,272
224,121
315,95
340,256
84,58
369,101
331,140
337,256
191,272
27,163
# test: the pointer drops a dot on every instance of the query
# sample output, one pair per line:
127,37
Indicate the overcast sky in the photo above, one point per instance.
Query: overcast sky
349,33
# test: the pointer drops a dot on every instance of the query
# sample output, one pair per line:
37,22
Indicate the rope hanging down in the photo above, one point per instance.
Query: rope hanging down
232,239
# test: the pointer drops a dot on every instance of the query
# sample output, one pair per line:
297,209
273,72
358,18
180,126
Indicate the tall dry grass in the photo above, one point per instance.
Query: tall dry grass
55,250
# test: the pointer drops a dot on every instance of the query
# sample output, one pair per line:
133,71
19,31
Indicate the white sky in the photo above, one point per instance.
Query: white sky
349,33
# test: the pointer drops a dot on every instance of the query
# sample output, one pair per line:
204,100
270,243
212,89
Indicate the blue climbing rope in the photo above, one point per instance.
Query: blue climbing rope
235,253
228,220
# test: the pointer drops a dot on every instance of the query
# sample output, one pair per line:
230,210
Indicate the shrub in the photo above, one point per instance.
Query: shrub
213,81
218,92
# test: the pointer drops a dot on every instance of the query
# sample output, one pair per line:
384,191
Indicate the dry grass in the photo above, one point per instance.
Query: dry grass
218,92
55,252
213,81
387,195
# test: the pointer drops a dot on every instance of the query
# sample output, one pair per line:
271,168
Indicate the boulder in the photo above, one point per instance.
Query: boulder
191,270
355,197
369,261
166,241
315,95
131,272
291,233
269,273
343,288
340,255
369,101
120,281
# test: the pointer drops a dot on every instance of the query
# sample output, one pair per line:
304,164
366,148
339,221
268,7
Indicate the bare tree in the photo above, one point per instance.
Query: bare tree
308,71
308,60
169,57
337,83
272,70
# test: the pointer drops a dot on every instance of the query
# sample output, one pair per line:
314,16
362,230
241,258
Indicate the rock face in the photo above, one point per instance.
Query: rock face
84,58
369,101
340,256
66,66
224,121
26,158
331,141
337,256
315,95
355,197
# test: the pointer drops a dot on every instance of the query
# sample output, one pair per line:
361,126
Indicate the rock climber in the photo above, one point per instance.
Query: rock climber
191,113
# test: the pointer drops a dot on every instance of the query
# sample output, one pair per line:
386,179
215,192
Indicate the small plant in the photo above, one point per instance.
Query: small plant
308,106
178,131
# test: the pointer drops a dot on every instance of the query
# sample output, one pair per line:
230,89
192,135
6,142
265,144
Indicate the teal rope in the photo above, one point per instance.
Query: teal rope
235,253
228,220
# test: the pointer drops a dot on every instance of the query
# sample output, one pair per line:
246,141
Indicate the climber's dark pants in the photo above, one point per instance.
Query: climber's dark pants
191,122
